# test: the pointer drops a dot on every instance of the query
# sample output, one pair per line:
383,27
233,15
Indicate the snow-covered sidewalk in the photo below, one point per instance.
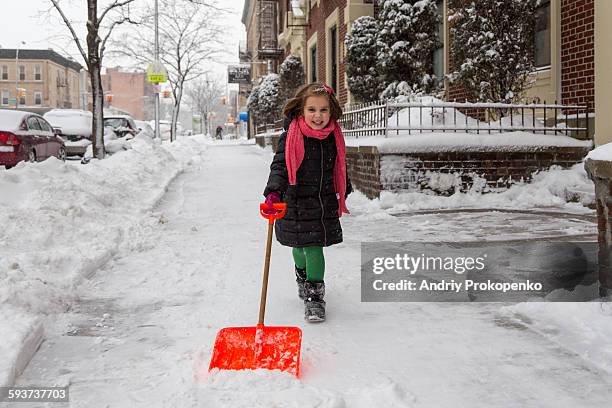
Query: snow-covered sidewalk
62,221
139,330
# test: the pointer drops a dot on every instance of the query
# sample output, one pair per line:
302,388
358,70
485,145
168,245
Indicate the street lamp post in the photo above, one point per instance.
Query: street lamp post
157,134
17,74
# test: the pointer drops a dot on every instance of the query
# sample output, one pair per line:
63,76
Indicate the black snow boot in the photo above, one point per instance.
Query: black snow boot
314,303
300,278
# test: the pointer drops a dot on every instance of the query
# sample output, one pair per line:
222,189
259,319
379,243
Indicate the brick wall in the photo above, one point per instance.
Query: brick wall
578,52
317,17
370,172
363,164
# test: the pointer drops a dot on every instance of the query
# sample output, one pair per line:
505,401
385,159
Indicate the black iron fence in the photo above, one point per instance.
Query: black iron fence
389,119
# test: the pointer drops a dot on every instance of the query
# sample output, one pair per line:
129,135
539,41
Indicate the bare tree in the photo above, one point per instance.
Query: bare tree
100,25
188,39
204,94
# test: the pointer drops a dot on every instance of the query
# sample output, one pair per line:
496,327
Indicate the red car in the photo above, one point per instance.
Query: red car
27,136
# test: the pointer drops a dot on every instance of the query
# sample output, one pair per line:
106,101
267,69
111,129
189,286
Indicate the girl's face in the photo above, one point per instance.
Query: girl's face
316,111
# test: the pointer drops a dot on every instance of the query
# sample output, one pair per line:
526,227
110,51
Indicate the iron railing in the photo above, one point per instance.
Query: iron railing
389,119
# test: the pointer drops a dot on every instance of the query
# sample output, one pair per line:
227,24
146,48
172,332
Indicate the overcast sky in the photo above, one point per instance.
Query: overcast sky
25,20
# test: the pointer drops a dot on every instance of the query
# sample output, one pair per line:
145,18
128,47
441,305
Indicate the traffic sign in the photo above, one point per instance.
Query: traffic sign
156,73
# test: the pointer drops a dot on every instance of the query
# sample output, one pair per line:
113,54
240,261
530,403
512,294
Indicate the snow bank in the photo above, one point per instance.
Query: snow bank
63,221
552,188
603,152
583,328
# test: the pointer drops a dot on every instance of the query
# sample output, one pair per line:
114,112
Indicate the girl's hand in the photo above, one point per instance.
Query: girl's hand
271,199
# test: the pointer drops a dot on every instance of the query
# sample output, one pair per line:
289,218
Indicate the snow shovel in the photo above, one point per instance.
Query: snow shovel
250,348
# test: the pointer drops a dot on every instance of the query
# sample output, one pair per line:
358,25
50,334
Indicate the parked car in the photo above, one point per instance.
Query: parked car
164,128
123,125
26,136
74,126
145,128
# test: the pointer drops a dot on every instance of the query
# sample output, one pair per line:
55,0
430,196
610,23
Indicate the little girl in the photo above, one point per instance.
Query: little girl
308,172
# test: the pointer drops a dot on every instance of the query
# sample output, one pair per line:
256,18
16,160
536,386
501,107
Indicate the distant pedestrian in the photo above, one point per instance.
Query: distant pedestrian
219,132
309,173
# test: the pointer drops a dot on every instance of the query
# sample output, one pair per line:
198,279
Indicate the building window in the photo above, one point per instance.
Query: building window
5,72
313,64
542,35
333,40
37,72
5,97
22,100
22,72
37,98
438,55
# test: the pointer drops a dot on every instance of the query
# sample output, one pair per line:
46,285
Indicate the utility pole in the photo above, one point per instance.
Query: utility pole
17,74
157,134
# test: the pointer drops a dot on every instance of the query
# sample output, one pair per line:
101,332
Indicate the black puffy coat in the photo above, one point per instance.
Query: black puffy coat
312,206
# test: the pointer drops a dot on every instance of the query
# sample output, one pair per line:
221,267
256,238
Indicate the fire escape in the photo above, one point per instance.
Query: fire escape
267,46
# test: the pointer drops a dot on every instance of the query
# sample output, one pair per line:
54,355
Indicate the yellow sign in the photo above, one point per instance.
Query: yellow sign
156,73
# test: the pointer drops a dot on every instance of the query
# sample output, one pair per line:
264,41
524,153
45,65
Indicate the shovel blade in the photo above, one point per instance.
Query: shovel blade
255,347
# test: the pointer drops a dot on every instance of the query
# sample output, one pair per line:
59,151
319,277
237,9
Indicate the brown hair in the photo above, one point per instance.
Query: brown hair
295,106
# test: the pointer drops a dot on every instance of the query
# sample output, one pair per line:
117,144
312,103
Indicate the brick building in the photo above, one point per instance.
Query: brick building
50,80
131,92
565,52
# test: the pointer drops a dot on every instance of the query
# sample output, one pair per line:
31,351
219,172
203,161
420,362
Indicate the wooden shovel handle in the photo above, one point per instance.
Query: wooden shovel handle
282,207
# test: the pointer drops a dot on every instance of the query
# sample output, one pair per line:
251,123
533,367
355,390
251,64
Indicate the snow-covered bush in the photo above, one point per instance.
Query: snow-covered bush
407,39
291,77
253,104
493,47
270,103
364,80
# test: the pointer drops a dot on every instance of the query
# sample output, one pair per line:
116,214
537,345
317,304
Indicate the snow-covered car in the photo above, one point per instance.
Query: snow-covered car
145,128
164,128
26,136
112,144
123,125
74,126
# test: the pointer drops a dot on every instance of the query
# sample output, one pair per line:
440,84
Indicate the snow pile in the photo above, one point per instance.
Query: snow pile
583,328
551,188
62,221
603,152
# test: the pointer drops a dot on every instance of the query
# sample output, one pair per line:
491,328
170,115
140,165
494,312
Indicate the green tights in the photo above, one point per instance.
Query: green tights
313,260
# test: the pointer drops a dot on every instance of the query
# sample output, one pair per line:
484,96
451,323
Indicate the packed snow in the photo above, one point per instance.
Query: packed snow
135,262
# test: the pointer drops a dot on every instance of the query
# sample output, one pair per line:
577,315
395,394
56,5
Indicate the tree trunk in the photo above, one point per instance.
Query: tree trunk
175,112
98,112
94,64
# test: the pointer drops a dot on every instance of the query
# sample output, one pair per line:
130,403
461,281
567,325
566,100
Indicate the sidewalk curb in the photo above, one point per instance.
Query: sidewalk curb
29,345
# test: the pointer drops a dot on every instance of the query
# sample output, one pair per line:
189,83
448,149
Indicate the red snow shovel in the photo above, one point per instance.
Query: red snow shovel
250,348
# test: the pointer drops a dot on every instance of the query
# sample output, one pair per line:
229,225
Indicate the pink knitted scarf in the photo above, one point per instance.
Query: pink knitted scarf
294,154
